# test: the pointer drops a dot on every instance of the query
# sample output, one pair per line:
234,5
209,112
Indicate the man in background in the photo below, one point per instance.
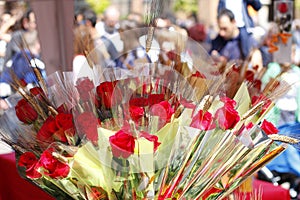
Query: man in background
109,26
243,19
104,45
230,44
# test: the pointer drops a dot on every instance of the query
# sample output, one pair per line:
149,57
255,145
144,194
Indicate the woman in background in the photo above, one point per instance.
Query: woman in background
85,56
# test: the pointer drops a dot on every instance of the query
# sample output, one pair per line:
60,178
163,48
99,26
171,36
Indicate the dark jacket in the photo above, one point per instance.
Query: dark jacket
242,46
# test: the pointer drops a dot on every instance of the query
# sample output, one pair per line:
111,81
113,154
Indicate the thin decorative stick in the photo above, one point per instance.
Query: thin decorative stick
155,11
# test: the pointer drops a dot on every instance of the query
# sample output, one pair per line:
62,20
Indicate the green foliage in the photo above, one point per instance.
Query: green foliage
98,6
188,6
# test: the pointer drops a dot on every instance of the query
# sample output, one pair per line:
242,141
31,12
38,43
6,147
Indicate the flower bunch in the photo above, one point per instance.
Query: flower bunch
154,132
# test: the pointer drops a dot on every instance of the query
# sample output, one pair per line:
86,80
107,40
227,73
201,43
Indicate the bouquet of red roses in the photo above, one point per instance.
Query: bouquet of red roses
152,132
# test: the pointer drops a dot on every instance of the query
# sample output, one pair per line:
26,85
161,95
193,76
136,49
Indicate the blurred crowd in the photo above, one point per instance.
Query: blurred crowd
116,41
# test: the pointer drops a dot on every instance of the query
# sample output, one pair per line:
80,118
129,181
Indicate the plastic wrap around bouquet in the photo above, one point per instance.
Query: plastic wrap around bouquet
156,131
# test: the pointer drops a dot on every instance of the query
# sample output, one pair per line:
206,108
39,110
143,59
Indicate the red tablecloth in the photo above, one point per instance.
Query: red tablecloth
263,190
271,192
13,187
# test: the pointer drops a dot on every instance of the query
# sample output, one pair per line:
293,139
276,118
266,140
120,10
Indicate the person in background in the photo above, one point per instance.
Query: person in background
22,66
242,17
85,56
107,51
229,44
110,23
28,24
6,23
109,26
79,18
133,52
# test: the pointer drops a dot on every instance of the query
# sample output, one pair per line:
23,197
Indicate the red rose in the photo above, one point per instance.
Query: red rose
172,55
249,126
268,128
203,121
227,117
84,87
62,109
228,102
29,161
23,83
249,76
87,124
108,94
54,128
122,144
256,99
38,94
25,112
136,113
155,98
47,130
283,7
139,102
236,68
52,166
257,84
37,91
198,74
163,110
151,138
64,121
106,87
33,172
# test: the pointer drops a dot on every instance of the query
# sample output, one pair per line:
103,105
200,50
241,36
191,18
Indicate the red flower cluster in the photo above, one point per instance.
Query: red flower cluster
226,117
51,166
29,160
123,142
54,128
108,95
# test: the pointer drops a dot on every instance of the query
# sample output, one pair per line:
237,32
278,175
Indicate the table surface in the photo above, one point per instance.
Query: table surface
13,187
